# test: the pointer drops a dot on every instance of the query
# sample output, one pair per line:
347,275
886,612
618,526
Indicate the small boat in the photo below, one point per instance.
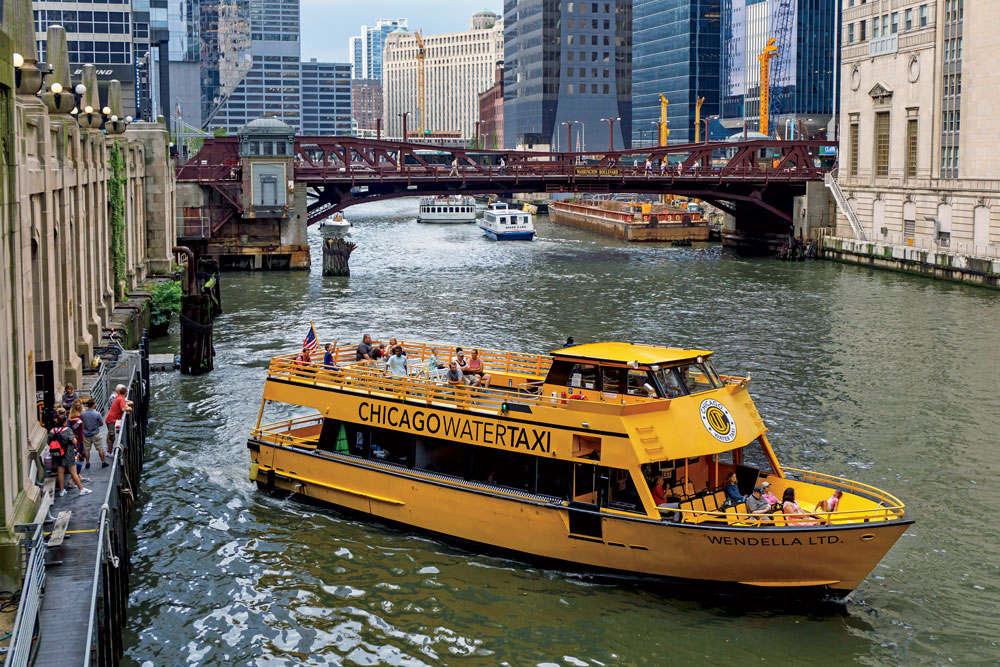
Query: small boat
335,222
605,456
502,223
447,210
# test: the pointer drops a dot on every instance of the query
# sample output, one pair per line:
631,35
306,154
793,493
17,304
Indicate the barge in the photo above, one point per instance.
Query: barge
621,221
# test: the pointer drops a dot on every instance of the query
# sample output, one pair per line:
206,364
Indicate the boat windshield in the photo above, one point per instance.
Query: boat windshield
689,378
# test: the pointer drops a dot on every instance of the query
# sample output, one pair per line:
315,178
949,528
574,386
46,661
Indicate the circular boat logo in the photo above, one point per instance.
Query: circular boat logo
717,420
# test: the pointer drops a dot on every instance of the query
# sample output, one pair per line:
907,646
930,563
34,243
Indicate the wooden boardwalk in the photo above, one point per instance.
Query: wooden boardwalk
65,607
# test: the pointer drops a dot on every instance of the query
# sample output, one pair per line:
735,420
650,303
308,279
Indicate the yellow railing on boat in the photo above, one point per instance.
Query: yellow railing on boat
279,432
370,378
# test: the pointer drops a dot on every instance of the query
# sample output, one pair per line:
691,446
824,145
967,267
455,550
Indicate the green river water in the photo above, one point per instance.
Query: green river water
885,378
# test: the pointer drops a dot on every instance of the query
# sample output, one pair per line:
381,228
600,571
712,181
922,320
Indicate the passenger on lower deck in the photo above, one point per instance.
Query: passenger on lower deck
733,495
768,495
659,492
791,508
756,504
830,504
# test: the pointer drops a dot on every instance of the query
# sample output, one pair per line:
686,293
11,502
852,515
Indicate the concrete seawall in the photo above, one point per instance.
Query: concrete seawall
939,263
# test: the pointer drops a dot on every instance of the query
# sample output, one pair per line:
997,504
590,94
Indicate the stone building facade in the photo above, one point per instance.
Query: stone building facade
57,286
458,67
918,126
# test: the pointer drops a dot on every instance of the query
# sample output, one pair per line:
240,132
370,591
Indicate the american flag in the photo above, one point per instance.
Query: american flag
311,343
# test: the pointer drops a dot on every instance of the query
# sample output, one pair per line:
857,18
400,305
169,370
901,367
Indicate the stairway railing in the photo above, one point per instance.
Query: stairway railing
830,180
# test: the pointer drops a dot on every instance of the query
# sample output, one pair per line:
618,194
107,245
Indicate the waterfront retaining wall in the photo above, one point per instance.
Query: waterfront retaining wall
57,284
936,263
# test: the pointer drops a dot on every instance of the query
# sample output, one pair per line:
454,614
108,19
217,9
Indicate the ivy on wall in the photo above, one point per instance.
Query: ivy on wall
116,198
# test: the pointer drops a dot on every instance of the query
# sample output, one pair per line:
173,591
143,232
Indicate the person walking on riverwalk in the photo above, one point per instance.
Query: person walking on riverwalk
76,424
119,406
92,422
69,395
62,446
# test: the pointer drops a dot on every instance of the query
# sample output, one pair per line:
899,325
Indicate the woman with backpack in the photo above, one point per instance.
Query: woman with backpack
62,446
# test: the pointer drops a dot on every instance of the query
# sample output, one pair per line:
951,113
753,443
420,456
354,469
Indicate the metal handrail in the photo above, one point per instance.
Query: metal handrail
102,519
890,501
22,634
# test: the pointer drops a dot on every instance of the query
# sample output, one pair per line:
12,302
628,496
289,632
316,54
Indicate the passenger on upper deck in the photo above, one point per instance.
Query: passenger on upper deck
329,362
393,344
454,376
432,360
364,352
792,508
396,365
463,363
476,371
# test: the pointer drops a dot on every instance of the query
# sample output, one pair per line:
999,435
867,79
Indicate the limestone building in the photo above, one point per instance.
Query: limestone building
458,67
918,124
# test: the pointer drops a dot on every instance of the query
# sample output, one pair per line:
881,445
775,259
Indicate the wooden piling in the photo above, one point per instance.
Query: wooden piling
197,310
336,256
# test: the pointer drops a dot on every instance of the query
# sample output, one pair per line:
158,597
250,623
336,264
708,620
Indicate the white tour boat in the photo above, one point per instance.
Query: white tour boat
502,223
455,209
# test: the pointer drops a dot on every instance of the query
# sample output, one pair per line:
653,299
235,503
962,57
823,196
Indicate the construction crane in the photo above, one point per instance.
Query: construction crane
770,51
664,130
421,95
782,29
697,121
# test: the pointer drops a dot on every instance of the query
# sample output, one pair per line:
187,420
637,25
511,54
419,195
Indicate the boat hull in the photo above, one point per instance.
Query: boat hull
508,236
457,220
836,558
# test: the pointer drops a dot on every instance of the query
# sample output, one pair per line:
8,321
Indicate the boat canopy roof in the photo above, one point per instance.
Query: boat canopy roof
645,355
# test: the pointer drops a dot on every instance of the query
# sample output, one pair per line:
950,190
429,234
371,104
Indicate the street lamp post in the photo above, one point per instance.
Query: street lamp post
569,134
708,121
611,132
659,131
478,123
403,116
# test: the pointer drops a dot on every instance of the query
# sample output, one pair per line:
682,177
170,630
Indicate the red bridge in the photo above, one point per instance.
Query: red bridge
755,181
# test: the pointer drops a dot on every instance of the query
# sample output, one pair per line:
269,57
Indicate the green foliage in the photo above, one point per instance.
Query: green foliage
166,300
219,132
116,197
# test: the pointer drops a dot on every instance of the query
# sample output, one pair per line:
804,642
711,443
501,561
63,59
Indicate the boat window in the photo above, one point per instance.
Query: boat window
554,478
611,379
583,376
502,468
640,384
584,490
621,493
689,378
440,456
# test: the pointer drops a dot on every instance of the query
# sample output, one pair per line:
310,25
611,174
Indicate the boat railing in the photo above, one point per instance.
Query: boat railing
494,361
885,500
280,432
367,378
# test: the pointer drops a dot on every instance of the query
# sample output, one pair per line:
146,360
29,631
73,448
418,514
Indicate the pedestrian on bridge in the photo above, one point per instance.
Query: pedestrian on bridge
503,166
454,167
649,167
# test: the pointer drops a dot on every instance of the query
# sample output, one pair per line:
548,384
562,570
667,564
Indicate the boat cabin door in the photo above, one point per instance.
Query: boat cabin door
584,508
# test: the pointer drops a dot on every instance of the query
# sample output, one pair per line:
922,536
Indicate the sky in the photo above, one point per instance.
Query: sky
328,24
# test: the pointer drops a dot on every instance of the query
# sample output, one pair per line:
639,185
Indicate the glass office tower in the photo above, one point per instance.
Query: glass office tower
567,61
676,46
803,86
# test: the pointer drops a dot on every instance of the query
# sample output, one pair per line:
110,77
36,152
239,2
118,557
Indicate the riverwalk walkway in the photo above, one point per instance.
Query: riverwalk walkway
81,613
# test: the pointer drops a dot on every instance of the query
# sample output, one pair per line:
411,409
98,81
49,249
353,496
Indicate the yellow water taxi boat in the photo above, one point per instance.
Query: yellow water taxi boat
558,458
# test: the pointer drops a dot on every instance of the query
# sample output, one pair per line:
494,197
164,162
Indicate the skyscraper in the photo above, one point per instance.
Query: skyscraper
101,35
676,47
565,62
259,71
366,49
458,66
802,79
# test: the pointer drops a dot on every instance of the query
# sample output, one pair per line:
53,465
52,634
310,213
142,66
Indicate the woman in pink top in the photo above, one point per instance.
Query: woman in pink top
767,494
791,508
476,370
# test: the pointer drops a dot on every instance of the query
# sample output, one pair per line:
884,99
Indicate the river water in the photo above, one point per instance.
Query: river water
885,378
